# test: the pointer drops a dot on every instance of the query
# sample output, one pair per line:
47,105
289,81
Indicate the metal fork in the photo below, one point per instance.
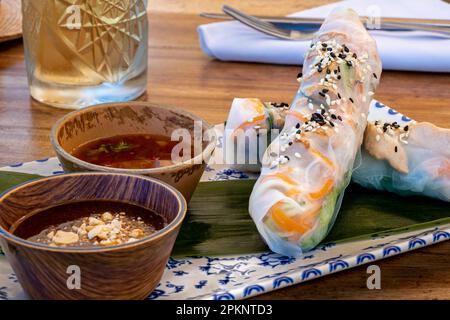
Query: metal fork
267,27
297,35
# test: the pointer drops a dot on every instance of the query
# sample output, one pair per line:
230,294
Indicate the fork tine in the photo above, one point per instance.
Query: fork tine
252,18
255,23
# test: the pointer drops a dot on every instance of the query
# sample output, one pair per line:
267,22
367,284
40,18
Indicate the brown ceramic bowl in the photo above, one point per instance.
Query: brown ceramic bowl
127,271
109,120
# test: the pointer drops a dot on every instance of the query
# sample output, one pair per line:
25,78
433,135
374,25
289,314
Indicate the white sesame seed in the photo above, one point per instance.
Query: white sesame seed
310,106
298,155
370,93
377,137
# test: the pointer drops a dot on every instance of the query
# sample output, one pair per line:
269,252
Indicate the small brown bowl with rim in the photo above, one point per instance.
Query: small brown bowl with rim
108,120
123,271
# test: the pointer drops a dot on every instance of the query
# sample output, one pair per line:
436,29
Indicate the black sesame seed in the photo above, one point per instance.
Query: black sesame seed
339,95
346,49
333,55
351,100
328,71
322,111
322,94
375,76
339,69
323,49
319,69
335,71
317,117
396,149
333,116
339,77
299,131
340,118
287,158
324,45
329,49
406,128
349,63
297,126
355,56
325,90
331,123
290,143
299,75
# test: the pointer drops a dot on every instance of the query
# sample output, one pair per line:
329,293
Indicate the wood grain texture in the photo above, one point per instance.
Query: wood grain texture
181,75
128,271
278,7
10,20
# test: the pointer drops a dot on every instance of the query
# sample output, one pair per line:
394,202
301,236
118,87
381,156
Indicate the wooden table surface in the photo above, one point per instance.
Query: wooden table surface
181,75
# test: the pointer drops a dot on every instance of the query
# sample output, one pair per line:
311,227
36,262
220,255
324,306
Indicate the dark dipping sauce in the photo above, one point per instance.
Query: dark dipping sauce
69,216
132,151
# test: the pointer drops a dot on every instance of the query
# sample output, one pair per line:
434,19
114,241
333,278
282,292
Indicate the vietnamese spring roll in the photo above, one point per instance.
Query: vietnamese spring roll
296,199
410,159
249,130
390,159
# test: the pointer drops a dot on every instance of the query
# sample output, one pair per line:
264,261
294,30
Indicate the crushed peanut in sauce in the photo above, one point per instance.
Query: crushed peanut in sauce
105,229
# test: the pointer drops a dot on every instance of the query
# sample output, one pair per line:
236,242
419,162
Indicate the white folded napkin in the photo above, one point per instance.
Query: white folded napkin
399,50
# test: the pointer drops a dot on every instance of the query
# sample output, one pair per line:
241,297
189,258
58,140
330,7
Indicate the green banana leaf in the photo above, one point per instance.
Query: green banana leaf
218,222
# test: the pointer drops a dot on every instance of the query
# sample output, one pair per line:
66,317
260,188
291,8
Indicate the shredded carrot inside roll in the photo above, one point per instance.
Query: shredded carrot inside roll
256,120
284,222
300,224
299,116
326,189
292,192
257,105
323,157
281,176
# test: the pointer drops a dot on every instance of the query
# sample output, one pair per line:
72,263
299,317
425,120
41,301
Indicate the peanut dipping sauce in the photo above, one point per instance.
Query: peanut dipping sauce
89,224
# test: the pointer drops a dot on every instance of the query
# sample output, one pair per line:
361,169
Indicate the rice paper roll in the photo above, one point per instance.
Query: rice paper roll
390,160
308,166
410,159
250,127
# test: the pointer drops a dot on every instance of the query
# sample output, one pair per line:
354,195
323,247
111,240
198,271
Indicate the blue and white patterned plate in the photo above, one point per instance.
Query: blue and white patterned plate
243,276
